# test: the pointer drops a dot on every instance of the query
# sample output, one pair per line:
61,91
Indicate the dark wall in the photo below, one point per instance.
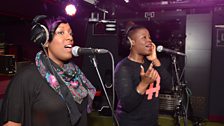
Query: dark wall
16,34
198,60
216,109
204,63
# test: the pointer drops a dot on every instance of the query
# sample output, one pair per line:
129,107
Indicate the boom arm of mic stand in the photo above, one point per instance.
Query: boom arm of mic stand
105,92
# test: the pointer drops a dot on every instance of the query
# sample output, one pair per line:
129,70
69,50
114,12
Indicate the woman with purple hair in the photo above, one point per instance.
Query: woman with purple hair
53,91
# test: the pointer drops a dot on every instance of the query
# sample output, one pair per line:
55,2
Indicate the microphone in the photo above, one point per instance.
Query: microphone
162,49
76,51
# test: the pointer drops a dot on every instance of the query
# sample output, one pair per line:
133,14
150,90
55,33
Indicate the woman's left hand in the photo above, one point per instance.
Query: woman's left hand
153,55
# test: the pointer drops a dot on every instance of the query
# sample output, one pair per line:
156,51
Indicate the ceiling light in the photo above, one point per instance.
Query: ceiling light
70,9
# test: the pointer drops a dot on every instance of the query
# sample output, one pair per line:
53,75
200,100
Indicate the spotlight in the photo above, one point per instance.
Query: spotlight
126,1
70,9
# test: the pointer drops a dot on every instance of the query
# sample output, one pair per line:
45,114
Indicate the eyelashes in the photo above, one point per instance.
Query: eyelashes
63,32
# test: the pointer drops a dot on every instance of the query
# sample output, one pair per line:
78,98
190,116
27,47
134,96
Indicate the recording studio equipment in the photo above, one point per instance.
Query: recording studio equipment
168,102
7,64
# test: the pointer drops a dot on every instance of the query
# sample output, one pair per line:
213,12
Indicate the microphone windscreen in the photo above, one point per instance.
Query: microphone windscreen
75,50
160,48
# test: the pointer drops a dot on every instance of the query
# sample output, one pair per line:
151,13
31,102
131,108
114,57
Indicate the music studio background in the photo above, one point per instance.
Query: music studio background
194,27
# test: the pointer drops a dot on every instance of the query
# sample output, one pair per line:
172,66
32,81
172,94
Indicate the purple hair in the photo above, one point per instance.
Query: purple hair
52,24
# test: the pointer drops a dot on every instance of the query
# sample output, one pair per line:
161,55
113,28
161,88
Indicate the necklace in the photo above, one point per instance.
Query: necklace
130,58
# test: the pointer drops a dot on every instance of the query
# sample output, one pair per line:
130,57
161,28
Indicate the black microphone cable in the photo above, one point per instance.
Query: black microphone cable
104,89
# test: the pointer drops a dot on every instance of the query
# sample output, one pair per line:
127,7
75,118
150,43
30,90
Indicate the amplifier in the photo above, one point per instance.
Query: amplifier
168,102
7,64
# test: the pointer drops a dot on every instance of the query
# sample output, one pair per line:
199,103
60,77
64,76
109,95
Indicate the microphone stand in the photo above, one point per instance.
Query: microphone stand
178,91
93,59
